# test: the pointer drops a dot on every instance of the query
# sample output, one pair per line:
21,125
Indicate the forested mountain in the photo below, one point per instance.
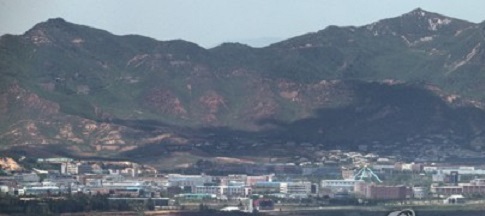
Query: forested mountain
68,88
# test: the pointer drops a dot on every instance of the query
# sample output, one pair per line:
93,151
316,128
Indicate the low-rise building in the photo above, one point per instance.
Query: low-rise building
297,188
251,180
379,192
42,190
420,192
339,185
188,180
54,160
267,188
5,189
454,199
235,191
84,168
96,190
69,168
193,196
473,188
27,177
446,190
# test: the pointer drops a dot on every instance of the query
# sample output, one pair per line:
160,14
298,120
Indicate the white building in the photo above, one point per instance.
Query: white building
42,190
69,168
438,177
464,170
454,199
340,185
420,192
54,160
297,188
240,191
27,177
4,189
188,180
123,184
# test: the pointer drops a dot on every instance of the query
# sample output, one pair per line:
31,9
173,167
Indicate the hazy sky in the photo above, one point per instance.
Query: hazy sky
211,22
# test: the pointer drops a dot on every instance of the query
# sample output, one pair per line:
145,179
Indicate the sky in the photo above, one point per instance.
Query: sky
211,22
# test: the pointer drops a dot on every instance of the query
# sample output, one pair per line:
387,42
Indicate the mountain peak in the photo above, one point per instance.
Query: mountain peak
51,31
417,24
52,22
56,20
418,11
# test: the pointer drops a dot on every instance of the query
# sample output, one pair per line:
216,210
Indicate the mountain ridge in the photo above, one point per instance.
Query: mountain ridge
96,93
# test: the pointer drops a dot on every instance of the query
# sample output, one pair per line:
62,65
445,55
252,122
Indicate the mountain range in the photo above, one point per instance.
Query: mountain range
69,89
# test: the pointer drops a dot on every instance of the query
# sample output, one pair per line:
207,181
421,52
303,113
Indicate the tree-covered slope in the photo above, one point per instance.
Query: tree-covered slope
93,92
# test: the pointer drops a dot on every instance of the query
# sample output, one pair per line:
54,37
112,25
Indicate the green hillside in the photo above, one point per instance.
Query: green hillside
92,92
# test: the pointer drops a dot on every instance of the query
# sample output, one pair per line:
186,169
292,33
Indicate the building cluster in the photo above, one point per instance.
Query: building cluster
237,186
444,181
90,177
346,188
124,179
374,181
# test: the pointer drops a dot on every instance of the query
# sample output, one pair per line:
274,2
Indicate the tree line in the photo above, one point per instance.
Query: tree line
74,203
